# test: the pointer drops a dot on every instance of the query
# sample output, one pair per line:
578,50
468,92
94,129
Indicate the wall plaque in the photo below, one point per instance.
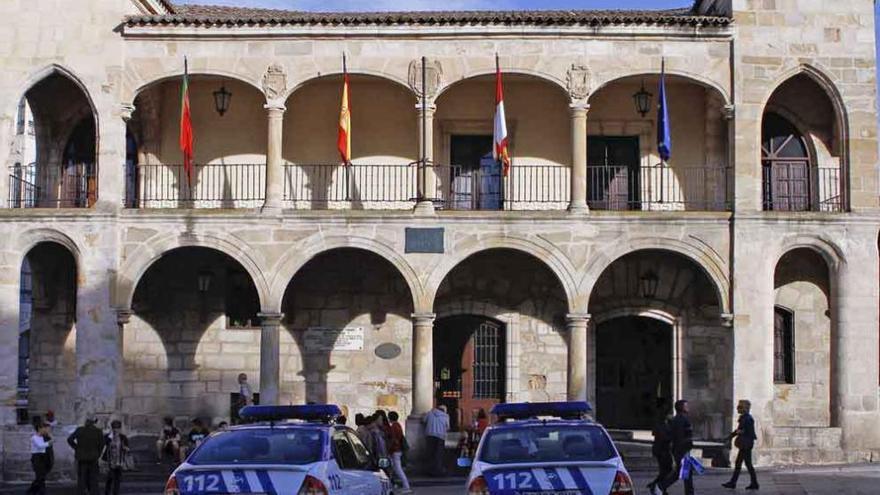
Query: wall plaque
318,339
388,350
424,240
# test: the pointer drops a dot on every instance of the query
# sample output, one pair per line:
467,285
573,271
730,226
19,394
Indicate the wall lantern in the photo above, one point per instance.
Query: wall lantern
204,279
642,100
648,283
222,97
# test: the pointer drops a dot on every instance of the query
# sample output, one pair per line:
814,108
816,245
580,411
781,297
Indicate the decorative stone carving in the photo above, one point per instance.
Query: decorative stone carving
433,76
728,112
578,82
274,82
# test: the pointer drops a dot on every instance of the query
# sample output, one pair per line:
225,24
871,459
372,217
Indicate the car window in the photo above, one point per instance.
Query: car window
363,455
261,446
547,443
344,451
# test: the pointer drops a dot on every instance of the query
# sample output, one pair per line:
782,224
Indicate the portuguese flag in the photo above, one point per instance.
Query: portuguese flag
186,131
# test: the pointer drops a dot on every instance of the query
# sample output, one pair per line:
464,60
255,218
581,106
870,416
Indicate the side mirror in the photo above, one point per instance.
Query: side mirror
384,463
464,462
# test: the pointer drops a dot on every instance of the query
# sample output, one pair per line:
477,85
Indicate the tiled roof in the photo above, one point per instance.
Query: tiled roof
223,16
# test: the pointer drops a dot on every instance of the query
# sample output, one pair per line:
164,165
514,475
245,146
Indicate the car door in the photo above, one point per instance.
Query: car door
374,480
351,480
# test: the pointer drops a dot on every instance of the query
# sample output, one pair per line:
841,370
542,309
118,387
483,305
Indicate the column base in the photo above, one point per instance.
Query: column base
273,209
424,208
578,208
415,437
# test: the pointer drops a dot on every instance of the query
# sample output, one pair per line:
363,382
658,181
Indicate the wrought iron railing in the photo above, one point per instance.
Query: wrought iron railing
356,186
659,188
74,185
797,186
215,185
526,187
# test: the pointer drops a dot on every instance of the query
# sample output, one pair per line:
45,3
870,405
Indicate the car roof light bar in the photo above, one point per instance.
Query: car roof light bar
527,410
325,413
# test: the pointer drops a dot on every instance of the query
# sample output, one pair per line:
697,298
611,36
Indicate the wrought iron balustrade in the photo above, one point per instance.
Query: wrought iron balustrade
356,186
659,188
74,185
526,187
215,185
797,186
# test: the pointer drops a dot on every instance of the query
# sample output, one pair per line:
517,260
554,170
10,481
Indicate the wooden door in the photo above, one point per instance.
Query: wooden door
613,172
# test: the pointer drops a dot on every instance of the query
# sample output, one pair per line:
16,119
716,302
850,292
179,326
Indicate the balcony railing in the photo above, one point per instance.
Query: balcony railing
658,188
526,187
73,185
797,186
357,186
238,185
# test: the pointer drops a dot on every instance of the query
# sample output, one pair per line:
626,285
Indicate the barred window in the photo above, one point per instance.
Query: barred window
783,345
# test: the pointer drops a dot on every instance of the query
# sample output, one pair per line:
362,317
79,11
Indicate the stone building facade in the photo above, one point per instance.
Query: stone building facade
745,267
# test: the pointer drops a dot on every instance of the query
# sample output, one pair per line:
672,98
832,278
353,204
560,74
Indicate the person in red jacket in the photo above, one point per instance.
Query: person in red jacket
396,446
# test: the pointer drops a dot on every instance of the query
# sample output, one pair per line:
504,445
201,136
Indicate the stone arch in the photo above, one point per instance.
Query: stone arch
30,238
546,77
828,250
708,260
144,256
655,310
64,71
385,76
294,259
542,250
696,78
177,72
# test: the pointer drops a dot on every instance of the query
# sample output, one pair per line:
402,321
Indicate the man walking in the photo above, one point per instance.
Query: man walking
661,448
745,442
436,426
87,443
682,442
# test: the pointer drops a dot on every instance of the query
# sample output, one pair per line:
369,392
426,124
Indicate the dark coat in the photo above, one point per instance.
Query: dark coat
682,435
662,437
745,431
87,443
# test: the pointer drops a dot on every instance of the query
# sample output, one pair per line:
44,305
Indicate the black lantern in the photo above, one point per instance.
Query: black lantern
221,100
643,100
648,283
205,278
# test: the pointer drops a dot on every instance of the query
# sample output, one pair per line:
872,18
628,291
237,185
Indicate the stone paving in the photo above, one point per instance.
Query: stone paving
860,479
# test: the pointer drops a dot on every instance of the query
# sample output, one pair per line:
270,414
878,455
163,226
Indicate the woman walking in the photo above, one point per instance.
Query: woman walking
396,448
115,451
41,445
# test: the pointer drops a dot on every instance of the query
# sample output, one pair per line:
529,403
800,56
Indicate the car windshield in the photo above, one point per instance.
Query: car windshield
261,446
546,443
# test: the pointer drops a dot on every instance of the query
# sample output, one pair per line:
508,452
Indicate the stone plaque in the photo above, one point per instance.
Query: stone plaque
318,339
424,240
388,350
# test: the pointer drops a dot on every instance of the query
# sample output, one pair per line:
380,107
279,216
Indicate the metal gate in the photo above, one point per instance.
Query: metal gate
487,361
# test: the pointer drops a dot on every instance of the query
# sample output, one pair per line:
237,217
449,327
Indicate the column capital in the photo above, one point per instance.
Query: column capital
429,108
578,107
575,318
123,316
126,110
424,317
728,112
270,319
275,106
727,319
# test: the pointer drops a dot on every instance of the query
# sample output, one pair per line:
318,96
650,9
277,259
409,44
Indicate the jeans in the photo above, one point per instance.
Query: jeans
664,467
397,465
673,477
40,463
114,479
435,451
87,473
745,454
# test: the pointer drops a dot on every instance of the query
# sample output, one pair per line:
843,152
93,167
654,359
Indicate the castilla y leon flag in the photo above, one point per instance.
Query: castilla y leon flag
500,139
343,141
186,131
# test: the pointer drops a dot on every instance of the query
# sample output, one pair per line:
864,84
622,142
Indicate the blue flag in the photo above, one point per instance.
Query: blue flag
664,136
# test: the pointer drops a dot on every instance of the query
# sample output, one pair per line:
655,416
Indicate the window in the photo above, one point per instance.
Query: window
786,166
550,443
261,446
350,453
783,345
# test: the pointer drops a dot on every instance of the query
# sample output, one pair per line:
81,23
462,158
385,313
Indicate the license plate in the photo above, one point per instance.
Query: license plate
538,481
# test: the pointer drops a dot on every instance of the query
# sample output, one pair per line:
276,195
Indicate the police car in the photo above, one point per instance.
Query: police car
285,450
547,448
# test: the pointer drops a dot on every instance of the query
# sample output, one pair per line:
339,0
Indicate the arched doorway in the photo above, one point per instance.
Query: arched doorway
633,370
470,366
786,161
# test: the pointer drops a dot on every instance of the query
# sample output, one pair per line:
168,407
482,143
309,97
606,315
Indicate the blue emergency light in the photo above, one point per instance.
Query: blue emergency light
312,412
526,410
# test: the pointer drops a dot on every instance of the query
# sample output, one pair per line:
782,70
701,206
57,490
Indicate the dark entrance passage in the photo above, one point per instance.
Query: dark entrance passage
468,366
476,176
633,369
613,168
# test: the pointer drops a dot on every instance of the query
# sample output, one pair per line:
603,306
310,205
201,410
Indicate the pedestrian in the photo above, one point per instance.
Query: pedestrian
341,420
661,447
168,442
362,431
194,438
50,418
87,443
682,434
397,447
436,427
745,441
41,443
116,449
384,424
378,437
245,392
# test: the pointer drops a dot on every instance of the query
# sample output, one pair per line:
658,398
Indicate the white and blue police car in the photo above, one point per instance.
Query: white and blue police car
547,448
283,450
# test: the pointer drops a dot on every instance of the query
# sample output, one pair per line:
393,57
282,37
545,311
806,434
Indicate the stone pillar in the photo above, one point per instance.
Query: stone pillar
422,378
9,332
270,358
123,317
274,166
578,199
111,156
576,324
854,365
426,142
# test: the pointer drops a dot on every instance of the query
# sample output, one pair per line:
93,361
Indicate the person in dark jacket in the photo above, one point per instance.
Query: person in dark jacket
661,448
87,443
682,434
745,441
115,449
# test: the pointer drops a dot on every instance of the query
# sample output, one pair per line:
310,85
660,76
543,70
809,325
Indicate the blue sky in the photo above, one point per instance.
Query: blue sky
373,5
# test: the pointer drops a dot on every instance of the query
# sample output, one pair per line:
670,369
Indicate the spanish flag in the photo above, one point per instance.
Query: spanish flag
501,141
343,141
186,130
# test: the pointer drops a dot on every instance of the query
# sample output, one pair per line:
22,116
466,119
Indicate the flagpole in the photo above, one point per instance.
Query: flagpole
347,165
663,103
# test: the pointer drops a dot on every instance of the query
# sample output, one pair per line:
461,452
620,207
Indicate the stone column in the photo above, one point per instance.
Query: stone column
578,199
422,377
111,156
274,167
576,324
426,142
123,317
9,332
270,358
